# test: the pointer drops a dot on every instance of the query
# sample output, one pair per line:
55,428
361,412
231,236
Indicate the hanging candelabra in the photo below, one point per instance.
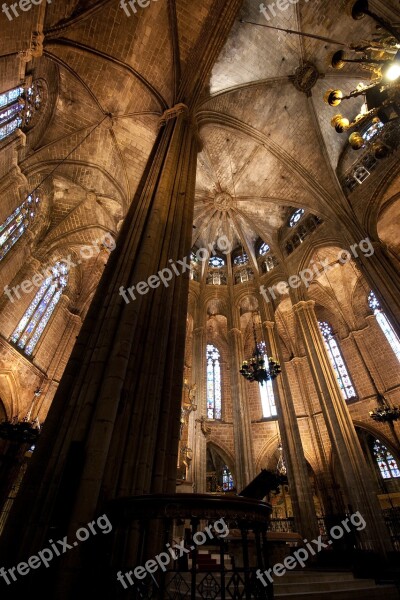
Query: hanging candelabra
381,57
384,413
25,431
255,369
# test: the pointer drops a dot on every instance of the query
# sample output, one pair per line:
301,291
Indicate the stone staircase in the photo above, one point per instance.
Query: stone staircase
303,584
325,585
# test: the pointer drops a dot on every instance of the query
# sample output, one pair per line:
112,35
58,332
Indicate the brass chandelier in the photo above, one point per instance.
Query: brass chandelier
255,368
25,431
381,57
384,413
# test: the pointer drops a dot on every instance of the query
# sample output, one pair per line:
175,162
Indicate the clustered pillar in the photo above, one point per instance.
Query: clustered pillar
113,428
343,437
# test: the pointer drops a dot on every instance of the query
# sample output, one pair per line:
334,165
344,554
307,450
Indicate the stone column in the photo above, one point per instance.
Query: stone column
196,435
243,439
300,489
319,442
113,428
354,472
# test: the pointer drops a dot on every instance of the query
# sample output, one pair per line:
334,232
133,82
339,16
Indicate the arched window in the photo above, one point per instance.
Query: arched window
35,319
337,361
372,131
384,324
16,224
296,216
267,391
385,461
216,261
11,105
227,480
213,383
264,249
17,107
242,259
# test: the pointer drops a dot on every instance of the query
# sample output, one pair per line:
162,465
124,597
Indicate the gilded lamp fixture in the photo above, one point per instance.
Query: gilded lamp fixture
255,369
381,57
384,413
25,431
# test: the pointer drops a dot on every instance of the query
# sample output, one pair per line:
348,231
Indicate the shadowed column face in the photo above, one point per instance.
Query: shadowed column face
113,427
303,505
242,427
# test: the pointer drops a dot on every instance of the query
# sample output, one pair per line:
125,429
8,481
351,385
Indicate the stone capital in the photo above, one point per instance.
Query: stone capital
304,305
235,331
172,113
357,333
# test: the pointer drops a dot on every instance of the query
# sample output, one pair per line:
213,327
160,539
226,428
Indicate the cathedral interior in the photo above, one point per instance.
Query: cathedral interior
200,298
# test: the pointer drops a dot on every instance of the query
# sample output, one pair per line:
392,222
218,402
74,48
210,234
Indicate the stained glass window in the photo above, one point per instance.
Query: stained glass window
266,390
11,105
35,319
17,108
264,249
372,131
337,361
216,262
213,383
16,224
296,216
242,259
227,479
385,461
384,324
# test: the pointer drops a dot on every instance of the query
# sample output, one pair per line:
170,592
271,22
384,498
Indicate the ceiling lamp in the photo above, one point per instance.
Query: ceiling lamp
381,57
384,413
25,431
255,368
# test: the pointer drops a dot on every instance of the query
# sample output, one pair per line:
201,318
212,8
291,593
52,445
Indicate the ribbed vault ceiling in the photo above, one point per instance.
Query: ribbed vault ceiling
267,147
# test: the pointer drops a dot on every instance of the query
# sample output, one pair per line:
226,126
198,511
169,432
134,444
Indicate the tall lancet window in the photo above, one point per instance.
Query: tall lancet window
385,461
384,324
35,319
337,361
11,105
213,383
17,223
227,480
17,107
267,391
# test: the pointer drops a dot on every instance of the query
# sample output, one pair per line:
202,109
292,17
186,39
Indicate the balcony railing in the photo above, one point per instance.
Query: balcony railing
223,542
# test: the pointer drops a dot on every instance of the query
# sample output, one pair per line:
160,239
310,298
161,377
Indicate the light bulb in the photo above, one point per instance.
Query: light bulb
393,71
